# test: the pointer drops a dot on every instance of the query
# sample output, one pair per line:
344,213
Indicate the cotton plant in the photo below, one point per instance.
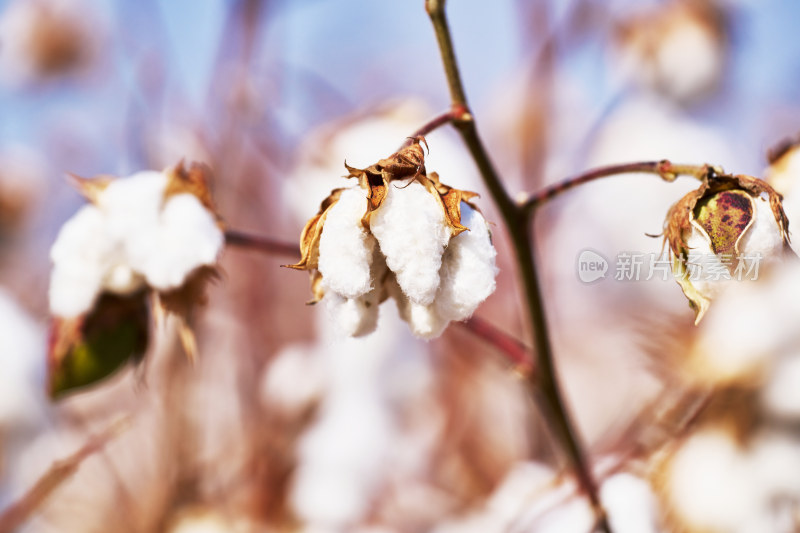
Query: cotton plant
402,233
148,241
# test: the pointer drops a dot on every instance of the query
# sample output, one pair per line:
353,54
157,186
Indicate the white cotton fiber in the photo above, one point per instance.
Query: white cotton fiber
411,230
468,269
132,237
81,255
187,237
346,247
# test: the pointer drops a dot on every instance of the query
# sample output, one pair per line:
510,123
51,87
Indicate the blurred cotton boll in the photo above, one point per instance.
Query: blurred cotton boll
344,458
136,233
750,329
22,182
712,482
44,39
23,405
678,48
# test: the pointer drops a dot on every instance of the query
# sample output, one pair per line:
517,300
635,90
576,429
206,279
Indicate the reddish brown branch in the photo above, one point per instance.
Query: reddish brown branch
512,348
456,112
261,244
666,170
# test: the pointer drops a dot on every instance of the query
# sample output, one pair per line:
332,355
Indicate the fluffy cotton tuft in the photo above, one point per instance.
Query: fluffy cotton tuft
468,269
764,236
345,247
412,233
132,237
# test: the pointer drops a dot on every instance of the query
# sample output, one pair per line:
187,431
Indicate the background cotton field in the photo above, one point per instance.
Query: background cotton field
160,371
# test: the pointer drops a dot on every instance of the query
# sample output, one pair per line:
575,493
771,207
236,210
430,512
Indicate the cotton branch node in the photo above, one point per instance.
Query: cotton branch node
149,240
423,243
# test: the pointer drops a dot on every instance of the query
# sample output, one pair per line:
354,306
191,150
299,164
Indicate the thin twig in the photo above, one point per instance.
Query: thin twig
512,348
516,221
455,113
18,513
260,244
666,170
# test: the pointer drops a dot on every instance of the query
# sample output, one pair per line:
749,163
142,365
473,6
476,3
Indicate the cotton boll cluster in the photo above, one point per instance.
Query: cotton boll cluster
435,277
44,39
135,234
678,48
398,233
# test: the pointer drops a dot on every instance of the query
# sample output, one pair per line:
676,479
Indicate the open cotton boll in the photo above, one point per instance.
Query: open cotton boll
81,256
346,247
187,237
412,233
708,483
468,269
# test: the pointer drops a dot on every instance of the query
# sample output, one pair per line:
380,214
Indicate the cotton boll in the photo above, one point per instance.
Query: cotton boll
781,393
708,483
81,256
294,379
688,60
187,237
468,269
346,248
775,461
630,504
411,230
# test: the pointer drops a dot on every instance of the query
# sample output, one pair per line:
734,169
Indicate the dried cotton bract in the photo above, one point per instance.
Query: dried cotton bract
152,234
401,233
721,231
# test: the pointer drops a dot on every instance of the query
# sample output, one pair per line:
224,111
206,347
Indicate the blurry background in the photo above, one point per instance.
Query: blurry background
283,425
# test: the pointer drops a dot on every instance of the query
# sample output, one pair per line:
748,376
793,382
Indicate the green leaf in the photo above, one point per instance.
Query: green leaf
97,345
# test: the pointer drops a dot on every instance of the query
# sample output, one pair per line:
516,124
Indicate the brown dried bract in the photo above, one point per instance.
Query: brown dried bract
309,238
194,180
90,188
